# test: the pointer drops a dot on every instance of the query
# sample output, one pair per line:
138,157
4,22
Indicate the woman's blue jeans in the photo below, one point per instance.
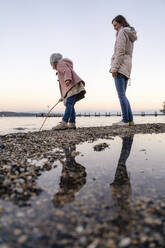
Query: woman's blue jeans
70,114
121,86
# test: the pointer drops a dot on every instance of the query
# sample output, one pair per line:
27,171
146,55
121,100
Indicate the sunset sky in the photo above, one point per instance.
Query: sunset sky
31,30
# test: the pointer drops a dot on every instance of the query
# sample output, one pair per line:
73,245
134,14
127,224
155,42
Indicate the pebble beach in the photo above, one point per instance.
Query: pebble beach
74,216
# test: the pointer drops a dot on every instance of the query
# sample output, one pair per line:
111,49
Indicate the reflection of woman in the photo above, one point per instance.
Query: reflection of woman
121,64
121,187
121,175
73,177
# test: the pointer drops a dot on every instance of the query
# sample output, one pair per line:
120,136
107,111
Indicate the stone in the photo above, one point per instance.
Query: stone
125,242
100,147
93,244
79,229
2,146
22,239
17,232
143,238
75,153
5,246
1,209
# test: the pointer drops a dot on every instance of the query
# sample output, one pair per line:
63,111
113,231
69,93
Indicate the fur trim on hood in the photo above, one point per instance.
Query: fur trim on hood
131,32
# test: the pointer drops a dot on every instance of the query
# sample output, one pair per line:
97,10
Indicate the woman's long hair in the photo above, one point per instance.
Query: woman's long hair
121,19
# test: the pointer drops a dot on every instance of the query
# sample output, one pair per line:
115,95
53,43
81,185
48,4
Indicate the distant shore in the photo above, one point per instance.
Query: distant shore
78,114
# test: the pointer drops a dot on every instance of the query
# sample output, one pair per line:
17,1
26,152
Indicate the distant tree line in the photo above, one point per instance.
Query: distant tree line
9,114
163,110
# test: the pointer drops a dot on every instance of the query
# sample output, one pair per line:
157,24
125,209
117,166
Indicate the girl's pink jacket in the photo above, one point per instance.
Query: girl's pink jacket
65,72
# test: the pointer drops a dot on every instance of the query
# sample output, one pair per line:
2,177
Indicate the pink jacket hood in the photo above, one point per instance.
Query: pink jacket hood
68,62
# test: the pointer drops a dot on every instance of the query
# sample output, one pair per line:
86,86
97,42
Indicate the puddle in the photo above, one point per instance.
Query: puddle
88,191
49,181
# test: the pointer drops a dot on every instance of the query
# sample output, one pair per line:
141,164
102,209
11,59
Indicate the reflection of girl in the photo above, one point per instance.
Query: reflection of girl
73,177
121,64
71,88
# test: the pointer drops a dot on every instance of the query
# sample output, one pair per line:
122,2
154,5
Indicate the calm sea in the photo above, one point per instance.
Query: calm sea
25,124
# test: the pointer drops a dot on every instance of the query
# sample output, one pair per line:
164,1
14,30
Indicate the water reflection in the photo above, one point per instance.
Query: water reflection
121,186
73,178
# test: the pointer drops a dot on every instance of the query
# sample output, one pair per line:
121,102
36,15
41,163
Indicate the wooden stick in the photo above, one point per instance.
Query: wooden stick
48,115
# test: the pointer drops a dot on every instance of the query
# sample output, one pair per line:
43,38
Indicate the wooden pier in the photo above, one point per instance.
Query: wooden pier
98,114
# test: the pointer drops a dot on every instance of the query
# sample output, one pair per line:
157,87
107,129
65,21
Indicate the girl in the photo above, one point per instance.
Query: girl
71,88
121,64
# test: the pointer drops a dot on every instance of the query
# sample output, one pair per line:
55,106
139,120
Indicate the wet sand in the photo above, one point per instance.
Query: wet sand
28,218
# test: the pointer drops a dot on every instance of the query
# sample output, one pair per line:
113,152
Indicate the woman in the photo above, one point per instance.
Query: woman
121,64
71,89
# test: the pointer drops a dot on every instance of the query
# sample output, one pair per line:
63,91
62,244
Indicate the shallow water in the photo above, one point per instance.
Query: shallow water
86,189
140,158
25,124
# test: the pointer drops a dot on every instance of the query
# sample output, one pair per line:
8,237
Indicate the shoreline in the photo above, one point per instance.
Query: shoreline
113,130
139,222
19,149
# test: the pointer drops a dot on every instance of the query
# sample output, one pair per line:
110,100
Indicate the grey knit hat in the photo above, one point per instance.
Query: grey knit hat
54,58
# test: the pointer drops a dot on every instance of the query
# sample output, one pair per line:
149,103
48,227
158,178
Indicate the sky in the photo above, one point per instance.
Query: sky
31,30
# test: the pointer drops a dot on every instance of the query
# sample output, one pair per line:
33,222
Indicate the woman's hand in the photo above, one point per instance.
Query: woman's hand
114,74
61,99
68,82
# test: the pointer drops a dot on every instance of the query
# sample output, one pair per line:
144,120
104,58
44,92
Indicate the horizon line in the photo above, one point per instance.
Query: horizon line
82,111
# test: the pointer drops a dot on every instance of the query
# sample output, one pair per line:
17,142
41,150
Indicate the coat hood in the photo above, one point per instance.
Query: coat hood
131,32
69,62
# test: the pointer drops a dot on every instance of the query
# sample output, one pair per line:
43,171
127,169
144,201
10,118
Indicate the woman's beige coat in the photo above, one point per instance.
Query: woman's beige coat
122,58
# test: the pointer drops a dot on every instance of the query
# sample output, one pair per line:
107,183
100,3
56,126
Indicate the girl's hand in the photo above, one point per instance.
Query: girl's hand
68,82
61,99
